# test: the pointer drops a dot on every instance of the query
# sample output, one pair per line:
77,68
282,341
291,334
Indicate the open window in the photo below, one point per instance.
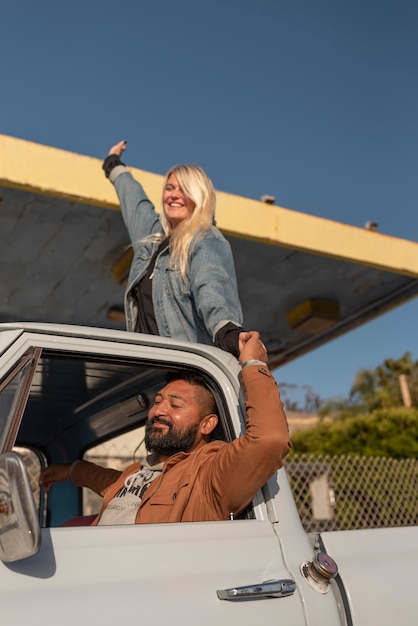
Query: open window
73,405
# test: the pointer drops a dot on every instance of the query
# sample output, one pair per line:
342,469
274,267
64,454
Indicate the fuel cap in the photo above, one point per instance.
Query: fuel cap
325,565
319,572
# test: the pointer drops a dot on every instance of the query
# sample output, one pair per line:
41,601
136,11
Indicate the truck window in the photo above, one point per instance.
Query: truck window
73,405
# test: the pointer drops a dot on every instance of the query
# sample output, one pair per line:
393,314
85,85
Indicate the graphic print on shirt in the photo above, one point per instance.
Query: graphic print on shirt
123,507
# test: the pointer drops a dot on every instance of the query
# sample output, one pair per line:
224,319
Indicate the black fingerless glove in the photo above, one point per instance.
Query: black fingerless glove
110,162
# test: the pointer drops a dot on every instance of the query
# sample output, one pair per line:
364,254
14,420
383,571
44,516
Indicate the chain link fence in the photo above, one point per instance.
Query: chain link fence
350,492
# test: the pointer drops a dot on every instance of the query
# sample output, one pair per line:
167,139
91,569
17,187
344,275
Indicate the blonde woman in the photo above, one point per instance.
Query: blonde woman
182,280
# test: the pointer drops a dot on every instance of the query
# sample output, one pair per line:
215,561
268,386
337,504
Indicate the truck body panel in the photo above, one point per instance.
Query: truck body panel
376,571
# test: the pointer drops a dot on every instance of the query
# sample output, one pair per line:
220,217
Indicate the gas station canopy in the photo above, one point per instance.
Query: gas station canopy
303,280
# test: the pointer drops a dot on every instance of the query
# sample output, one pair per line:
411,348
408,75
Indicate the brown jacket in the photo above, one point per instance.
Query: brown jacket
216,480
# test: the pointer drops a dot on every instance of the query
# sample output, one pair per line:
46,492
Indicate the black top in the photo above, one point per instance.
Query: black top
142,292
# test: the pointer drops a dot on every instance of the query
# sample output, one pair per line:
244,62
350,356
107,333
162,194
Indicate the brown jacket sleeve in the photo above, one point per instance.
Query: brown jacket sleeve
95,477
244,465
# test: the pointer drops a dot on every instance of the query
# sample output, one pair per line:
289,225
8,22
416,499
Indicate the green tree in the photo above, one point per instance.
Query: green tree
391,432
380,387
376,389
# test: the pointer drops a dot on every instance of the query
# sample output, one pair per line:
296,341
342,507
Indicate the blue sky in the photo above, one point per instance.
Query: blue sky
314,103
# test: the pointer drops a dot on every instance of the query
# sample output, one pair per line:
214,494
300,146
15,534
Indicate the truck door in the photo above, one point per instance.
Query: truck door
167,572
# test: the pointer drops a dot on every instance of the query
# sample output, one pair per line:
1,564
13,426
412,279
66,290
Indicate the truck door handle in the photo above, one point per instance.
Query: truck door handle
267,589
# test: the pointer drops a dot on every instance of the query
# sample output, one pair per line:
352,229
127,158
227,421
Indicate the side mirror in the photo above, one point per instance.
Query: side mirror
20,533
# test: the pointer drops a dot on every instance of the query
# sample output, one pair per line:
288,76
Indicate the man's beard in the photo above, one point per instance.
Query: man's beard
170,443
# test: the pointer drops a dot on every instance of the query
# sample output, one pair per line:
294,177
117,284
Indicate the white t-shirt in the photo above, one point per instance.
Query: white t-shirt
123,507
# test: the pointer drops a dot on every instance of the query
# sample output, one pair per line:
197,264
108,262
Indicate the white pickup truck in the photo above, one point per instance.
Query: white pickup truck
65,390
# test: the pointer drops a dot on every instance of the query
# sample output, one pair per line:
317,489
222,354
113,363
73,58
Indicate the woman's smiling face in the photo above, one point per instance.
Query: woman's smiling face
177,206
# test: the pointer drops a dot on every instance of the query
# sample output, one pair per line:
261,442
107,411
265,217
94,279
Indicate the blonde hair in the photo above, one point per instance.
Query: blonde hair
197,186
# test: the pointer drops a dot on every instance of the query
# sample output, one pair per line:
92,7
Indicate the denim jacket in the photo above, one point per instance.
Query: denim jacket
196,308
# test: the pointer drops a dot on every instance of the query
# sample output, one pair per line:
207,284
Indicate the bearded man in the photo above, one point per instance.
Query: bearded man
187,476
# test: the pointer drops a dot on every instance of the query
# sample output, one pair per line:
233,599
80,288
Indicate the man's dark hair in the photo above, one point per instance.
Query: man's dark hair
206,399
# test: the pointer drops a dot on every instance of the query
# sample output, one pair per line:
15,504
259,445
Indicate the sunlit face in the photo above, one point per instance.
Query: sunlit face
173,420
177,206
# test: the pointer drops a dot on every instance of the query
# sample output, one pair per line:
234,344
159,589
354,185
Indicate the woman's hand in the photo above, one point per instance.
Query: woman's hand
244,336
118,149
251,347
